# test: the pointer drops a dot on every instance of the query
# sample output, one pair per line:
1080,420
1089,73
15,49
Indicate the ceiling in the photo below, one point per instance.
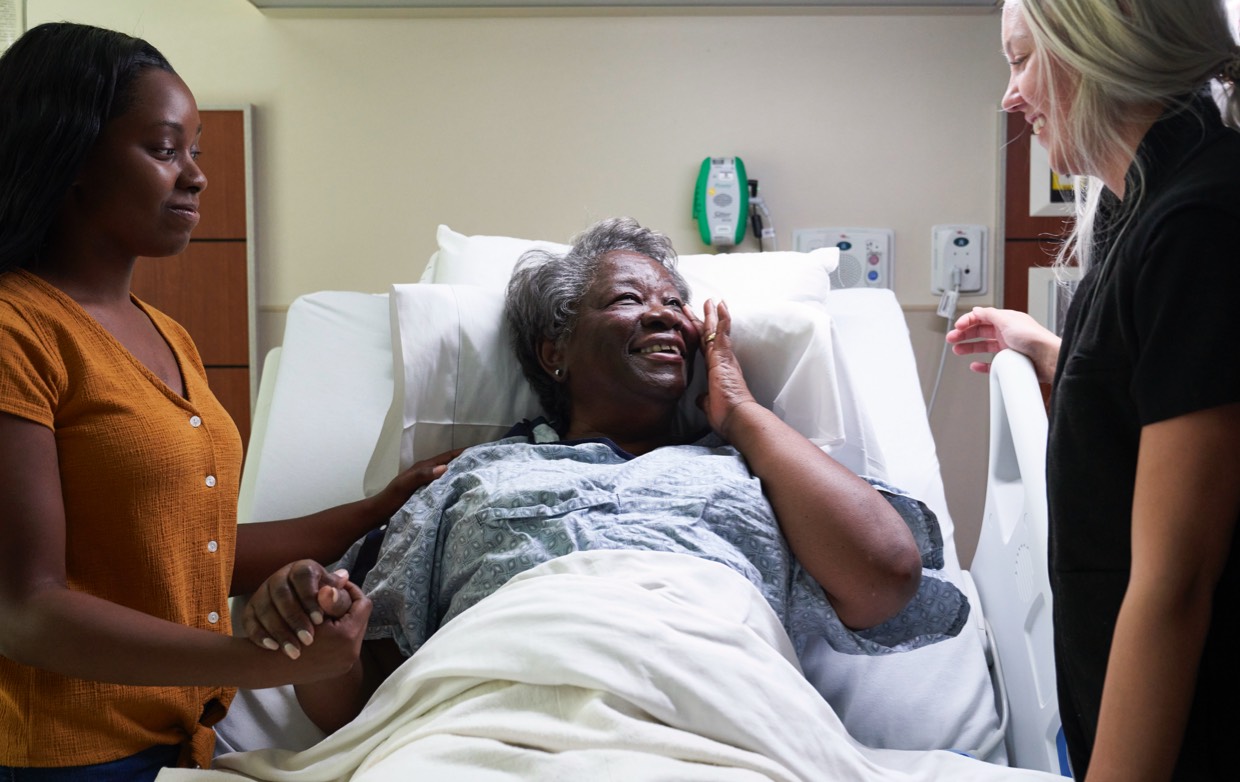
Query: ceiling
364,5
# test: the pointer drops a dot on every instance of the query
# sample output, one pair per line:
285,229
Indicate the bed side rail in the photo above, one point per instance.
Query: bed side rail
1010,564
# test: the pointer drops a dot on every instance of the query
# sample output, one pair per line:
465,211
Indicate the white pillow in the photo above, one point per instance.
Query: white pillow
449,375
458,383
488,260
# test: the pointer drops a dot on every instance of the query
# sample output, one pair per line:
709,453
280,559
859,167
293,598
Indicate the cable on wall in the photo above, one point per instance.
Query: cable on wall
947,308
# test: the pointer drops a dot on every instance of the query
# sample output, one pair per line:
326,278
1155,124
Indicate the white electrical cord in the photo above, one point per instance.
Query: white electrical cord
947,308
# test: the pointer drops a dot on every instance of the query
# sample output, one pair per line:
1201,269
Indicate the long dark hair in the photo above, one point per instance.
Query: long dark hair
60,83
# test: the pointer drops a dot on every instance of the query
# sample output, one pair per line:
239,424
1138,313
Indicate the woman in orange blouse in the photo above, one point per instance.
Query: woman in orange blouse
119,470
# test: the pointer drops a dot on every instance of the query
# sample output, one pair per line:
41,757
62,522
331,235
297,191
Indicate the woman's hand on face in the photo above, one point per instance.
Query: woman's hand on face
726,389
989,330
285,611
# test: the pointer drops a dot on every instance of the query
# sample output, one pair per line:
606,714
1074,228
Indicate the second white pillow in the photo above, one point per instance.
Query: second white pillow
487,261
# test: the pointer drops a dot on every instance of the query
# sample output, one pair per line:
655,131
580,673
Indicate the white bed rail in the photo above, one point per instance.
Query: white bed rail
1010,564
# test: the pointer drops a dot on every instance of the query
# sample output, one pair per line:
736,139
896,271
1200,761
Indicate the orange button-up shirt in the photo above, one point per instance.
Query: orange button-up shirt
150,485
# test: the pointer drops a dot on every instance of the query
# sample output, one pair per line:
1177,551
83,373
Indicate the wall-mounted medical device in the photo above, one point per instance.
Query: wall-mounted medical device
865,254
721,201
958,259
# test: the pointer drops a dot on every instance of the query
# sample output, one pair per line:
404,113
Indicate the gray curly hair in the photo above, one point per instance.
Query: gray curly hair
541,301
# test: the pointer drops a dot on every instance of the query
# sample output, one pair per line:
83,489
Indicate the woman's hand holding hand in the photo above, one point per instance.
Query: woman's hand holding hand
726,389
301,602
338,640
989,330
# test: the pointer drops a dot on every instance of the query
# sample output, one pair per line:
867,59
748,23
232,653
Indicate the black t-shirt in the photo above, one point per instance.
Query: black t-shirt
1153,333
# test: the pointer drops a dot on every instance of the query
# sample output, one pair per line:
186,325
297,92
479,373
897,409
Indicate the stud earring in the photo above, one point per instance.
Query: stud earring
558,372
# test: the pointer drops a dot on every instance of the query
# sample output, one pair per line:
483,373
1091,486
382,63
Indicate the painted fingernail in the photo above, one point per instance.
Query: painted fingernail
305,637
271,644
316,617
292,651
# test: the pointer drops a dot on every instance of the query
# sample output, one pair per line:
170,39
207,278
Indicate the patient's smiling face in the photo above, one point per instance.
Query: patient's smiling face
632,345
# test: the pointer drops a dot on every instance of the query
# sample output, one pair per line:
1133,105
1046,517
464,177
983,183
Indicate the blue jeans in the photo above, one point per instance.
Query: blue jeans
142,767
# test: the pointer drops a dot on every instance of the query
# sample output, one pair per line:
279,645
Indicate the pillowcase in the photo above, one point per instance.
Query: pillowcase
458,383
735,277
456,380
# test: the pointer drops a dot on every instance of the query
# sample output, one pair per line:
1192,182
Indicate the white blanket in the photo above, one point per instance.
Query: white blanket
621,665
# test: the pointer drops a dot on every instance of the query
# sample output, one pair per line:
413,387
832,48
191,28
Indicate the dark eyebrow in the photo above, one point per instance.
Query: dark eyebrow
174,125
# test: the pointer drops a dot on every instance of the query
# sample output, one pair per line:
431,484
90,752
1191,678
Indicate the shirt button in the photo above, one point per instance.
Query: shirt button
212,546
213,617
210,481
195,421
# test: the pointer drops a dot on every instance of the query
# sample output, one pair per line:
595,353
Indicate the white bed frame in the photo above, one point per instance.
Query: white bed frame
1009,568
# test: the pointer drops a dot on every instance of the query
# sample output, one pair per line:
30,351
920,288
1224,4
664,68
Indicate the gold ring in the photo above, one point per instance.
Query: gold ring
710,337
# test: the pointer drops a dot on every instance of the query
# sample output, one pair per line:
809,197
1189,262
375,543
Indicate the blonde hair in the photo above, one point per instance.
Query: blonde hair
1122,55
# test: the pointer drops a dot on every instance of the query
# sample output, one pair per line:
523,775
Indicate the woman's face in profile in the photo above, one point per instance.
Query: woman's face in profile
138,190
1029,94
632,340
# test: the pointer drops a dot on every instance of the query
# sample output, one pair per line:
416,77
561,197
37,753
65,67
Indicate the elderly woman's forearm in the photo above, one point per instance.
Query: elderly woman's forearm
845,534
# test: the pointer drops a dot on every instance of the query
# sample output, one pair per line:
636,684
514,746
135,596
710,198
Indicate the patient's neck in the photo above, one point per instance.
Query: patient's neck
631,434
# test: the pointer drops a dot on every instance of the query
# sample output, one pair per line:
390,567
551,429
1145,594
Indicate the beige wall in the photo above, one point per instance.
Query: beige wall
370,131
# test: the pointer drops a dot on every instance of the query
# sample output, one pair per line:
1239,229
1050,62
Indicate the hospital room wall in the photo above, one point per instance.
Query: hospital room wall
369,131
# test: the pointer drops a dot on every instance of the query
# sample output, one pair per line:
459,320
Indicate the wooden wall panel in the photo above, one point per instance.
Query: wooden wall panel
203,289
232,387
1019,256
1017,221
1028,241
222,205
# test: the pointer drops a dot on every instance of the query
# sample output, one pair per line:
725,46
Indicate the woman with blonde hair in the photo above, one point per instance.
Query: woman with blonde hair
1143,460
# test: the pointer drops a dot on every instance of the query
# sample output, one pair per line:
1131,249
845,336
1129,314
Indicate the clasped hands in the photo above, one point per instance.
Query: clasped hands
303,598
297,600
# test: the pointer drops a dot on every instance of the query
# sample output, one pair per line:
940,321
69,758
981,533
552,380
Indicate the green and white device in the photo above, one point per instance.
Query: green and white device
721,201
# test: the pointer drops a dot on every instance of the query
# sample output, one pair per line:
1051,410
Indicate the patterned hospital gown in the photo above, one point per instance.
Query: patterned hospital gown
507,506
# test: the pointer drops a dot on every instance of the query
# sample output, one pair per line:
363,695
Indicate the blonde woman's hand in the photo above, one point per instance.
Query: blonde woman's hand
989,330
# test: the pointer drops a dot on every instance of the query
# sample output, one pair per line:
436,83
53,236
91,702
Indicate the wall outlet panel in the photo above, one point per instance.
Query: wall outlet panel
865,254
960,247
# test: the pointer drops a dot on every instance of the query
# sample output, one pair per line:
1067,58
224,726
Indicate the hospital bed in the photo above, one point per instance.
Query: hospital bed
365,383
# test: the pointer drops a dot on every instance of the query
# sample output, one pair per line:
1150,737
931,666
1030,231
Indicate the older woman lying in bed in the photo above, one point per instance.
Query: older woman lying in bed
606,336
